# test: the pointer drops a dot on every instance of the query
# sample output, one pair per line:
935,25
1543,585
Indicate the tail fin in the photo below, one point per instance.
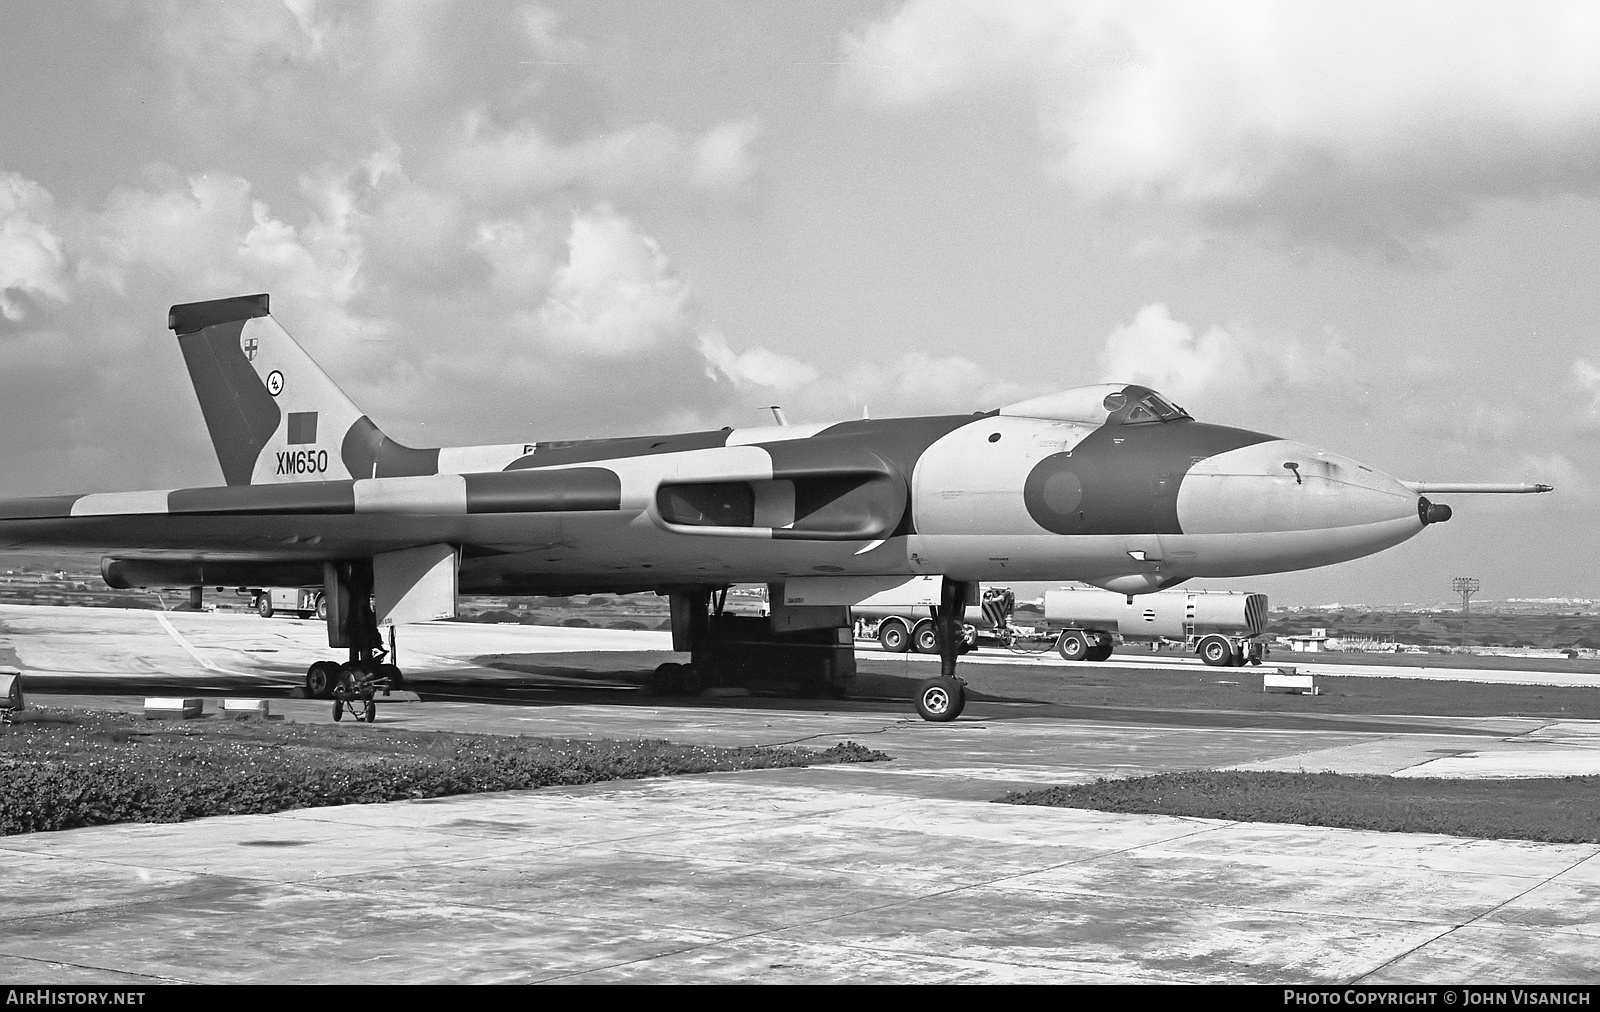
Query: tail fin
274,415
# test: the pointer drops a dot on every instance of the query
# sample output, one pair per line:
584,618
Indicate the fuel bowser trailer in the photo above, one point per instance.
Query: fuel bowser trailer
1224,627
901,618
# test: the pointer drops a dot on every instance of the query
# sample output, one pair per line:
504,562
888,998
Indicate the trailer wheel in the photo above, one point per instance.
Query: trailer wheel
264,605
892,636
1098,653
1215,651
926,638
322,608
940,699
321,677
1072,646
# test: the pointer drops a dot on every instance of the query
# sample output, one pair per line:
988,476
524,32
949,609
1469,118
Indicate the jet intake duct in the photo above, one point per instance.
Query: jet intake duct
859,502
129,574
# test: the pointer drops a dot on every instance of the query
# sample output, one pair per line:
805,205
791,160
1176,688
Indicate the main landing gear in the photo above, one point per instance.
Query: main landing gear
942,699
809,648
809,651
352,624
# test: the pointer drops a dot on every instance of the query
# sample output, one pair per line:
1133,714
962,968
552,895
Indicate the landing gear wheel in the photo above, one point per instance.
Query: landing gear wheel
321,678
926,638
1073,646
941,699
892,636
666,678
349,675
264,606
691,680
1215,651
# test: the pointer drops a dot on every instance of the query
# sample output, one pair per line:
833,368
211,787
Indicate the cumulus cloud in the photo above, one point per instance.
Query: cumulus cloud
1586,376
1354,122
642,160
1171,356
761,367
1420,416
32,262
616,294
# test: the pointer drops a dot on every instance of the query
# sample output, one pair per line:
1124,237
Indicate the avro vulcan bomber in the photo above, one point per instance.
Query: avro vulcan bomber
1112,485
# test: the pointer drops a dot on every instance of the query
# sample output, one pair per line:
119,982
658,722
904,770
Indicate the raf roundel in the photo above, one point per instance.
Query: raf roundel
274,382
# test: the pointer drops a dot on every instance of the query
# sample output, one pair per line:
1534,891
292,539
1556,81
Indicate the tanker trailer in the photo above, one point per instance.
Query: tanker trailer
1223,627
901,618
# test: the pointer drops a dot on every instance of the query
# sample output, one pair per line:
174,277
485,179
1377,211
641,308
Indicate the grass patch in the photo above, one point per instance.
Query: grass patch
85,768
1555,810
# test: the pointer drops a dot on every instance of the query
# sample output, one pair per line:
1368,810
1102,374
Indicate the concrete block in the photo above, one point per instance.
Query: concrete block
1290,679
166,708
11,689
246,709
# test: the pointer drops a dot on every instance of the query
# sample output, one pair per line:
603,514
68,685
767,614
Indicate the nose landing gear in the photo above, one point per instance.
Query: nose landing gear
942,699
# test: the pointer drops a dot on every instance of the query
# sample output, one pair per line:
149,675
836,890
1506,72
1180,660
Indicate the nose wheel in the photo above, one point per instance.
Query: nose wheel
941,699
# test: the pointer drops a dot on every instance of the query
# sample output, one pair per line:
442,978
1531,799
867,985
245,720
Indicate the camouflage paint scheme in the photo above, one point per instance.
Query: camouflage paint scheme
1107,484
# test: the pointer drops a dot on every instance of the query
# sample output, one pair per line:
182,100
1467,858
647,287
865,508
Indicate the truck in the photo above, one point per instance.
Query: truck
901,618
1224,627
305,602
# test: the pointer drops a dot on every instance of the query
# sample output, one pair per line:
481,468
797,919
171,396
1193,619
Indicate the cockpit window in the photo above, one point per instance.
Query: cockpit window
1134,407
1162,408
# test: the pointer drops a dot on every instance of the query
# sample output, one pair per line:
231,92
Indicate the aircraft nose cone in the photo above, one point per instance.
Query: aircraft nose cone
1280,485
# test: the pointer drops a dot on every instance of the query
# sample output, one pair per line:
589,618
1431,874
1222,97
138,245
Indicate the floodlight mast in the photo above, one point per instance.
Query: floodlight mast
1466,586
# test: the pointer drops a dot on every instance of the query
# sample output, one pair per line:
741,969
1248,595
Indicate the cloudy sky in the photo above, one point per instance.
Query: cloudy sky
1371,226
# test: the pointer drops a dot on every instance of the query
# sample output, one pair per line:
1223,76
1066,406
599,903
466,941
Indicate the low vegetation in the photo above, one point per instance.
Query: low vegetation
1557,810
83,768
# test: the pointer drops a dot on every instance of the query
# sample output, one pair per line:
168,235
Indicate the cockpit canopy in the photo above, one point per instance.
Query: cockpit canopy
1101,404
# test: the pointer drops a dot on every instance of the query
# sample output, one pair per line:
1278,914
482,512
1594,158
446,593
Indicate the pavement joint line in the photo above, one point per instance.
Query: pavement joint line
89,966
1473,920
885,729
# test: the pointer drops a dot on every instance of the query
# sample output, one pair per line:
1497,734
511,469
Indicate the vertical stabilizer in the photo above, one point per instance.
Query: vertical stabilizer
273,414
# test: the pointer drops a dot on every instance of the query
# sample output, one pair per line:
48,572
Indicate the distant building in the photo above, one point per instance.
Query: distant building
1315,643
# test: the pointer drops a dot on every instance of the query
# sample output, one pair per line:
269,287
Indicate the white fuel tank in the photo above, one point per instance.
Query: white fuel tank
1170,614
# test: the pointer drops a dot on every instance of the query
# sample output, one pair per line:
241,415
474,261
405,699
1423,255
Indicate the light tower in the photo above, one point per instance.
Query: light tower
1466,586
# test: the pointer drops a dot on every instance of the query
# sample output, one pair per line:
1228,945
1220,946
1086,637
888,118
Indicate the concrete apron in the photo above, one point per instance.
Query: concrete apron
889,872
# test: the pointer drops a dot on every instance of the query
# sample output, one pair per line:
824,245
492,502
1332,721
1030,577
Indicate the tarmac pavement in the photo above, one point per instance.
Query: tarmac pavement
902,871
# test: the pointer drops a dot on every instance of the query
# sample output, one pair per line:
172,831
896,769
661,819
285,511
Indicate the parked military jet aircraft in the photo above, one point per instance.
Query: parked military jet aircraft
1111,485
